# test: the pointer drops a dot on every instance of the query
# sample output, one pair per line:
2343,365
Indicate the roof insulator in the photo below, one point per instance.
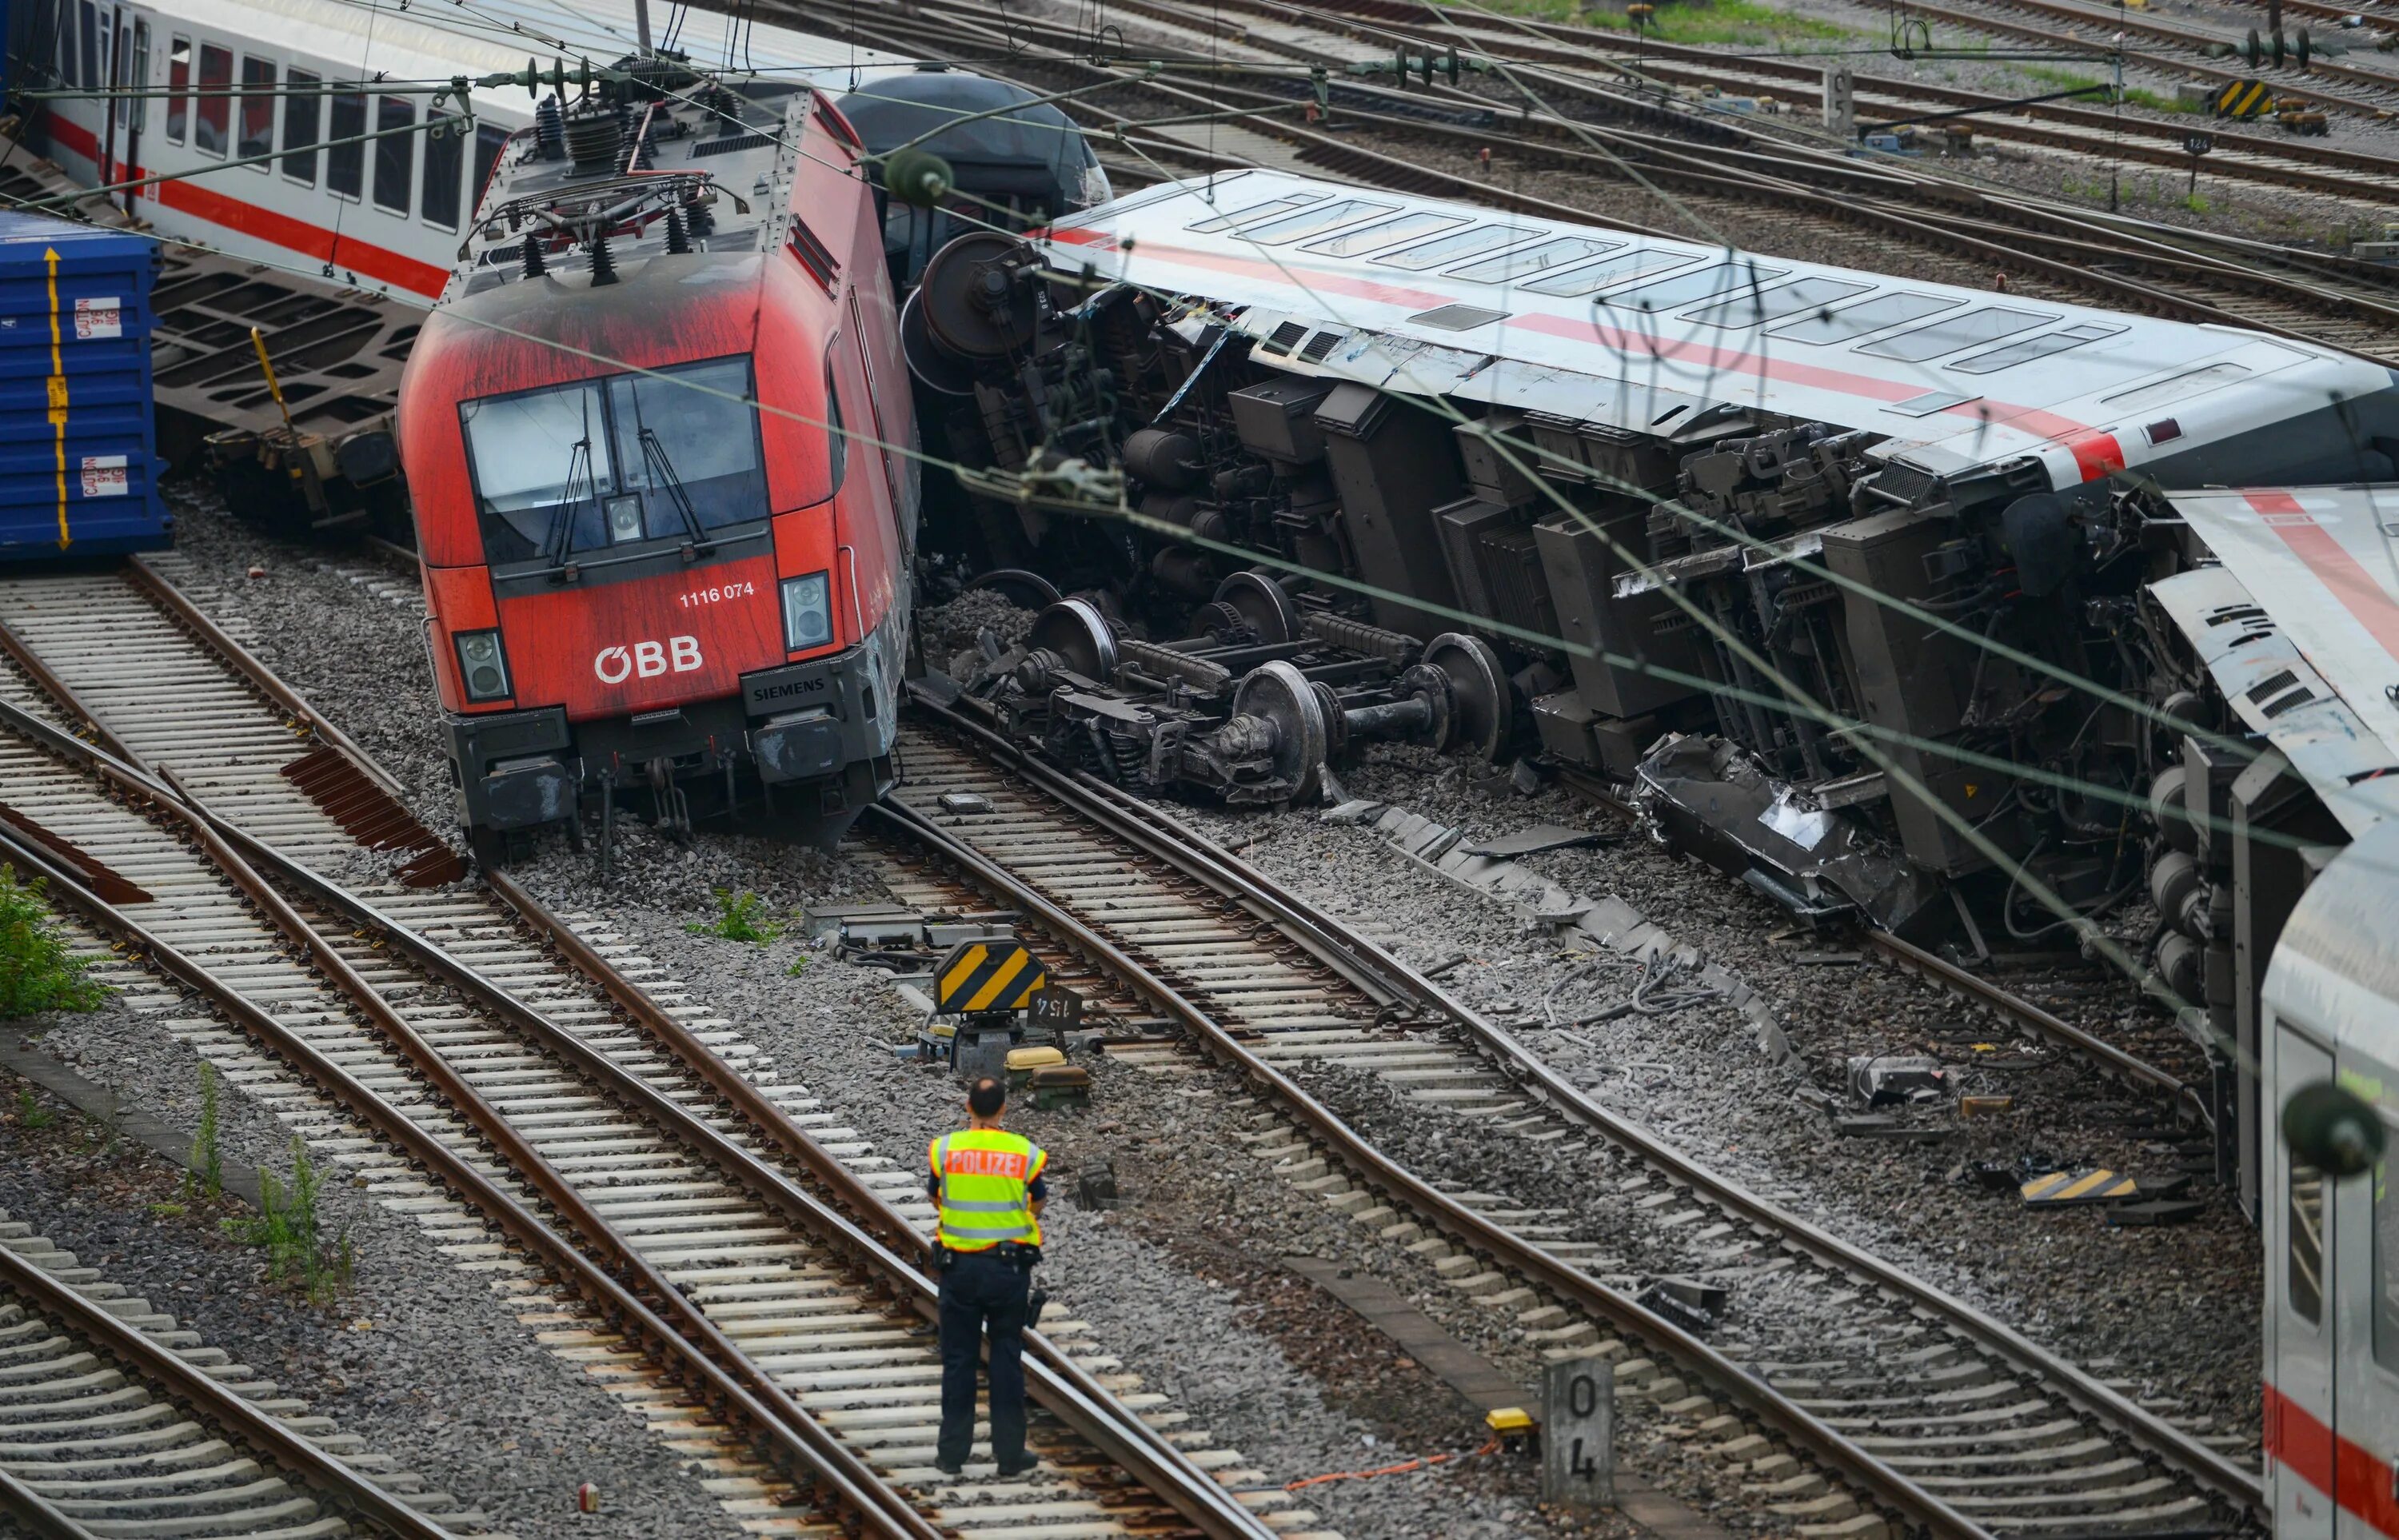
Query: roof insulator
535,264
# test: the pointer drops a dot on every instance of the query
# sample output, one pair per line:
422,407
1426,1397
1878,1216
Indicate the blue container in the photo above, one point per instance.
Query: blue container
79,461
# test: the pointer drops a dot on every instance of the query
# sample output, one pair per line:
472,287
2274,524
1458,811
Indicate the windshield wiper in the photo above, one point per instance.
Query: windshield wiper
654,455
560,534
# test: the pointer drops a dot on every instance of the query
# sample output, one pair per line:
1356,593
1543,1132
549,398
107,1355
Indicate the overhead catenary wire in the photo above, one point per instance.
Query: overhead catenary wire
1243,553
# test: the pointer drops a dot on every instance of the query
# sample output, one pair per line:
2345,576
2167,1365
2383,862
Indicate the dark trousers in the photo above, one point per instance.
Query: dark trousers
979,1289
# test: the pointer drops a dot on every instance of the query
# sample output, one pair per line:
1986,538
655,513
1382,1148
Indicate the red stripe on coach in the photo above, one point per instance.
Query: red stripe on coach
293,235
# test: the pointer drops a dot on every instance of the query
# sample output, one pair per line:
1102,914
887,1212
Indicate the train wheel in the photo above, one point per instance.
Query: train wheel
1278,692
1261,601
1075,629
1485,716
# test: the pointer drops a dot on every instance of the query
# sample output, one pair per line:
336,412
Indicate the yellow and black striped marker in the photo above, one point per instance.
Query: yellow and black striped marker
2244,98
2064,1189
987,975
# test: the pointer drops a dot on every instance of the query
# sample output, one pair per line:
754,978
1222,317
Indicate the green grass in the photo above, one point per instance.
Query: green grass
207,1175
32,1114
288,1227
741,917
2067,80
37,973
1745,21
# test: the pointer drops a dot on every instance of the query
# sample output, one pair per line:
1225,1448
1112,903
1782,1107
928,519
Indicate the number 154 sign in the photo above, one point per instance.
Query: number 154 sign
1579,1433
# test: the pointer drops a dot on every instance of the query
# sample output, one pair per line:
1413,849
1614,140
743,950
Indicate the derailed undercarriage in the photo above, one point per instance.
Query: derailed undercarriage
1874,682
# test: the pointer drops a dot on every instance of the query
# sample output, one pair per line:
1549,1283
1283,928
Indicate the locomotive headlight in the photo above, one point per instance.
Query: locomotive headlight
624,519
484,665
808,612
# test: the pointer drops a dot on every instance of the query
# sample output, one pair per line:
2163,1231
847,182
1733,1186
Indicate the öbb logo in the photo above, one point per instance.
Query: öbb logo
649,659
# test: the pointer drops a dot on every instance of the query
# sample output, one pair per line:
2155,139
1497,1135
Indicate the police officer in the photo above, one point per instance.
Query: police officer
987,1184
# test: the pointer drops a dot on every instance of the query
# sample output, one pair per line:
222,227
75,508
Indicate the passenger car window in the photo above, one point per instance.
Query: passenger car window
1313,221
445,163
300,115
2386,1270
1256,212
1756,309
1722,281
1374,237
1954,334
178,83
345,163
1546,257
2303,1276
1620,268
257,109
395,154
1879,314
1458,248
2046,346
214,112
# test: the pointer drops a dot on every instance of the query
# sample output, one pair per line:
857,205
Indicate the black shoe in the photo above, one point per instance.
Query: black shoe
948,1468
1024,1466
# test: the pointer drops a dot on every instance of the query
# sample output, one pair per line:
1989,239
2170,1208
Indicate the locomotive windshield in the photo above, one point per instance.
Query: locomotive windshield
617,461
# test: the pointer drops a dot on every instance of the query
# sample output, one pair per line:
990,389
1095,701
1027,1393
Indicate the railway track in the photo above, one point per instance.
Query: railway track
2264,158
2114,262
116,1421
1904,1400
766,1255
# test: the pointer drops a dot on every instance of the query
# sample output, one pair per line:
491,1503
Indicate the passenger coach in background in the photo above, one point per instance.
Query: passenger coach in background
657,566
1509,483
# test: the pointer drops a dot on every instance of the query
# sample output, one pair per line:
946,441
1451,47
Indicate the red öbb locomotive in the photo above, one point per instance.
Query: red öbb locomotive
653,572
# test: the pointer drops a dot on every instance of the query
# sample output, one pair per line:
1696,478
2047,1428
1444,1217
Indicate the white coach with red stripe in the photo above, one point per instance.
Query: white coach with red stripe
384,215
1645,335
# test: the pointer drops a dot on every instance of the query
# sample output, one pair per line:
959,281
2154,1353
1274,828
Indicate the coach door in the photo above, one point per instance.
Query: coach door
2300,1344
2366,1309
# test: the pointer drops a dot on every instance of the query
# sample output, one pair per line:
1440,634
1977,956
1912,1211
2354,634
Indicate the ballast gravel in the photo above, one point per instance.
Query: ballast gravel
416,1357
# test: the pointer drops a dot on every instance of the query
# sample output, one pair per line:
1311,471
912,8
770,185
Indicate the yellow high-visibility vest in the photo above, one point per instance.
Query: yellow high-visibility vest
986,1176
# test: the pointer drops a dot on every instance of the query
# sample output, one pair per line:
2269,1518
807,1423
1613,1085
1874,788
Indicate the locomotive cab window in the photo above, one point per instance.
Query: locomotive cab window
617,461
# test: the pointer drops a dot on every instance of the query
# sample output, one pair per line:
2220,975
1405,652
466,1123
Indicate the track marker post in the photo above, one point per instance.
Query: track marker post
1579,1434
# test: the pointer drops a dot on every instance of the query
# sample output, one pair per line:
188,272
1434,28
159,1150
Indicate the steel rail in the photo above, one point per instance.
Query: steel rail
2140,241
1420,15
173,600
2156,141
1387,980
1059,1383
1940,970
1069,1391
37,1513
888,1241
325,1476
2067,231
731,1382
1826,1445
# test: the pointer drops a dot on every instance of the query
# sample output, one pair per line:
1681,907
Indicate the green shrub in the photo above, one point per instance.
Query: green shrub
207,1159
739,919
291,1230
32,1114
36,971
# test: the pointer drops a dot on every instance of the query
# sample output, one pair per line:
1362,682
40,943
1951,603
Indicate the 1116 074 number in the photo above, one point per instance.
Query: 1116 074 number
717,595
